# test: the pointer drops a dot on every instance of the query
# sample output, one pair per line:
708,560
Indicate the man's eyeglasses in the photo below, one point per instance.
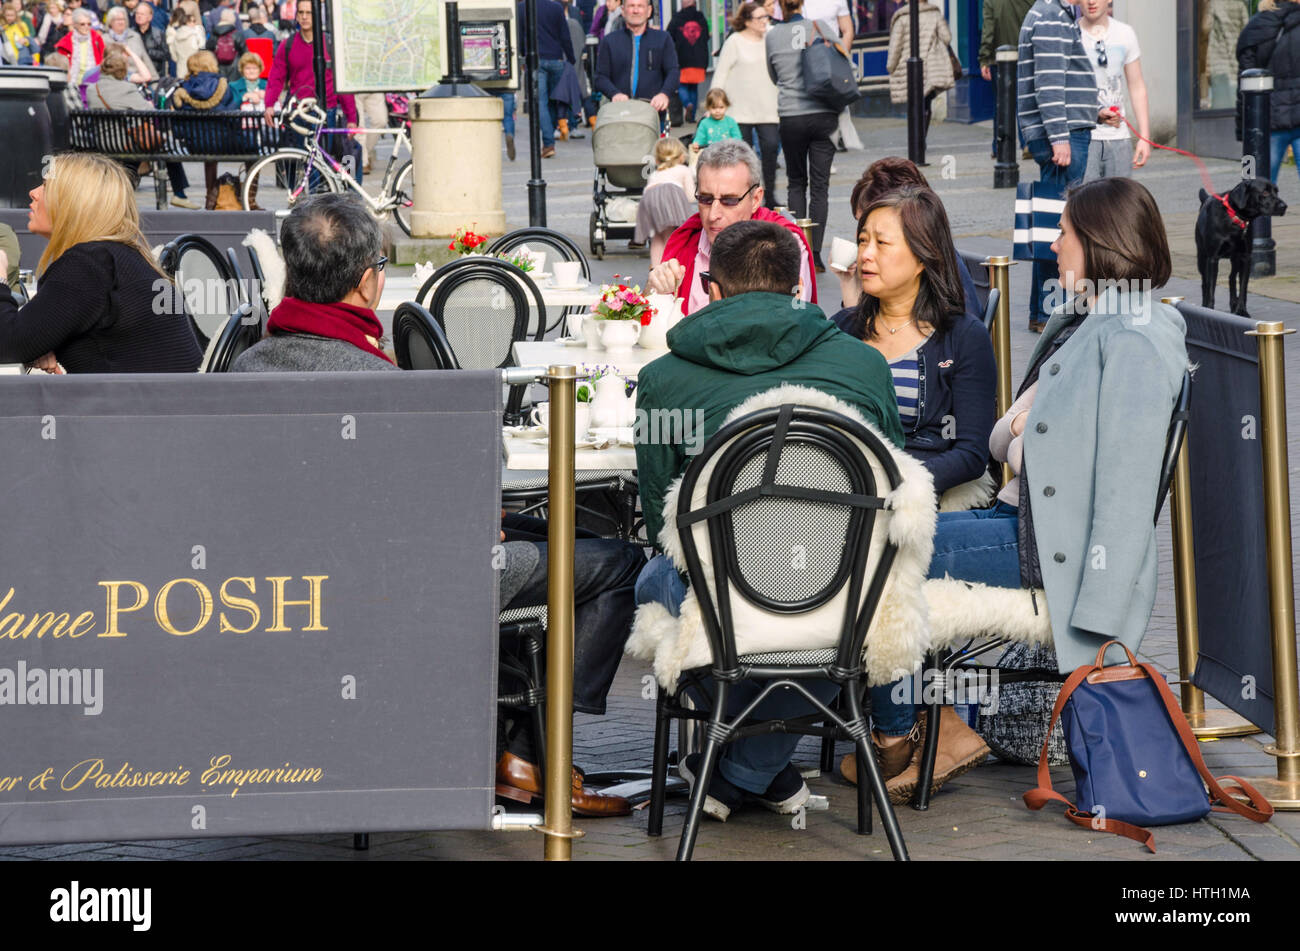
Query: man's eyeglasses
706,279
728,201
1101,54
379,265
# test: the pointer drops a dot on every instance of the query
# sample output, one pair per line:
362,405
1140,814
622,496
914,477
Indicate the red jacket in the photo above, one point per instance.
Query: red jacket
65,46
684,244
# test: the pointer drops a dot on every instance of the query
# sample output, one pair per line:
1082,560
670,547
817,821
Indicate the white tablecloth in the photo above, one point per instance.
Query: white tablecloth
544,353
527,452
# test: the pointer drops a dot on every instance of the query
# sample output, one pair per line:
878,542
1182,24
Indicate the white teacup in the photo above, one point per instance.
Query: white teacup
567,273
541,416
843,254
539,263
573,322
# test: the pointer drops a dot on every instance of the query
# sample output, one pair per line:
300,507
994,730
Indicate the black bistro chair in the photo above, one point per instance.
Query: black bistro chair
954,660
482,305
779,474
205,279
241,330
419,341
558,247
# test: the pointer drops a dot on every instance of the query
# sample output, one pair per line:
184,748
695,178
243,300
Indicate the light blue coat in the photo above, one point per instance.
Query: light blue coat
1093,446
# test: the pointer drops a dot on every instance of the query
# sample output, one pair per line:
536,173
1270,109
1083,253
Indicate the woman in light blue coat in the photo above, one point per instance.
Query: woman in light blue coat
1087,434
1086,437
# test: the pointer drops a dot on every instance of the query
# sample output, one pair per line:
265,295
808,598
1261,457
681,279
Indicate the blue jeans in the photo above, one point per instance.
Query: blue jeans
980,545
1045,273
752,763
508,115
1278,142
689,94
548,77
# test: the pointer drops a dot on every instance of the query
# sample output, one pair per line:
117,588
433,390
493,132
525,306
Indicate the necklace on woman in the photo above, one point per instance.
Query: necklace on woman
894,330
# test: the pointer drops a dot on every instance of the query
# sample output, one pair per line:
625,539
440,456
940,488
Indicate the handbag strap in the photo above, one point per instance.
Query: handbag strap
1259,810
822,36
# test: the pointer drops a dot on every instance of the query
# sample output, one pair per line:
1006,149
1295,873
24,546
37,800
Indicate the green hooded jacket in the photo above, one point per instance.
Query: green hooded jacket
728,351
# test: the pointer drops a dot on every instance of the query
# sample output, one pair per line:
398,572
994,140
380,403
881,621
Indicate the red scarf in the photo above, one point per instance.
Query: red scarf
357,325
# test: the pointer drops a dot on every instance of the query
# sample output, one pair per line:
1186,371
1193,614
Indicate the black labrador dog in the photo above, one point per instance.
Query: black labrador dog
1223,231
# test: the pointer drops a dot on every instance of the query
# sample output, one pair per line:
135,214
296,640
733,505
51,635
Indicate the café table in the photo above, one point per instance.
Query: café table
399,289
528,451
545,353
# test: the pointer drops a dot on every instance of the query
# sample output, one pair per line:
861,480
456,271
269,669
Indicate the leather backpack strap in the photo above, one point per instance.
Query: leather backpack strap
817,28
1259,810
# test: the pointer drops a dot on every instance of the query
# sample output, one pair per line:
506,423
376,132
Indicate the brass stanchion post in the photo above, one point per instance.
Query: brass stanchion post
1203,722
1284,791
558,827
999,266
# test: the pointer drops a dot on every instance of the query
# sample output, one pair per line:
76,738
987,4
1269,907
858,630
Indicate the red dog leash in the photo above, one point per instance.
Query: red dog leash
1205,172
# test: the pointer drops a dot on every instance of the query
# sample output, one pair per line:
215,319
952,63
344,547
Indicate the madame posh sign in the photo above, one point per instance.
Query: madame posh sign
238,604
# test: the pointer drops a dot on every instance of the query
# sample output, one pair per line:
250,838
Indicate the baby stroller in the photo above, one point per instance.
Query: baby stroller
622,145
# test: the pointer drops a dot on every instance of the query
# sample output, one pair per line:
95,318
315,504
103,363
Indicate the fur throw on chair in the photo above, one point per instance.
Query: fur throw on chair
899,633
268,255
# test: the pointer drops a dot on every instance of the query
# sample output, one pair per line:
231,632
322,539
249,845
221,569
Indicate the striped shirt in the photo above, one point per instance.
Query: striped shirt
1056,87
907,385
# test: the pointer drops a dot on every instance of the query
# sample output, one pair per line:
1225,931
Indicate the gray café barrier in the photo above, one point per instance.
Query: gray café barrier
1235,660
247,604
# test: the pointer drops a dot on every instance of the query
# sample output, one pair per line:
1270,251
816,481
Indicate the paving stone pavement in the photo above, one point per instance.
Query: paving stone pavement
978,816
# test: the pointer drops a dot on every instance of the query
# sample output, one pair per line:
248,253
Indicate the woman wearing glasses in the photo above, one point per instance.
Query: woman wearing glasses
806,124
742,73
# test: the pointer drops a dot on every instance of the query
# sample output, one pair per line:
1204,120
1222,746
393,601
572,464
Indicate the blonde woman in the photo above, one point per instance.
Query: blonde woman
184,38
103,304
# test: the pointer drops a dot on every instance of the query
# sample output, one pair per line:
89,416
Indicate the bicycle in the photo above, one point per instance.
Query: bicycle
280,180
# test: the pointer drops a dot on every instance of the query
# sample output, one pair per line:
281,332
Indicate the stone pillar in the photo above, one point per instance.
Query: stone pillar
456,144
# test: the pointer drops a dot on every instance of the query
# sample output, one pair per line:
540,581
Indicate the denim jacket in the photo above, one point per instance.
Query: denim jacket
956,400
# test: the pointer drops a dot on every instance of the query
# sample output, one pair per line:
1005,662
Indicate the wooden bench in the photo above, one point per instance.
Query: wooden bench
163,136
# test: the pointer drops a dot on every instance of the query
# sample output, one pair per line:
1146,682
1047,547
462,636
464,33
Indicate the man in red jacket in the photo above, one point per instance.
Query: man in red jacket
291,68
727,187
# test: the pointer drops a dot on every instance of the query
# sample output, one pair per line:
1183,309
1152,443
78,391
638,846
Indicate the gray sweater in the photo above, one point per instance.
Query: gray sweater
305,353
785,46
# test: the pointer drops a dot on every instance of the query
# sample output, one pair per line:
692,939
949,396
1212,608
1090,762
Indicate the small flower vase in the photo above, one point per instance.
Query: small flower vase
619,336
654,335
611,407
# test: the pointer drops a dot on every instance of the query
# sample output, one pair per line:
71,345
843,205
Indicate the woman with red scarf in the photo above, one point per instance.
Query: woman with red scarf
334,275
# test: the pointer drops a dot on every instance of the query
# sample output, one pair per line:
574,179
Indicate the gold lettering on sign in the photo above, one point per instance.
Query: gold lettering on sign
239,604
278,603
160,606
113,610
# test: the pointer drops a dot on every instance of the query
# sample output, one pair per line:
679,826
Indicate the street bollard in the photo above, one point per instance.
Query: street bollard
1256,127
1006,171
558,827
1202,722
1284,790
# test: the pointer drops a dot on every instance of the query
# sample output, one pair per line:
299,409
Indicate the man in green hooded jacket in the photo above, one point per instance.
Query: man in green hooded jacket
755,334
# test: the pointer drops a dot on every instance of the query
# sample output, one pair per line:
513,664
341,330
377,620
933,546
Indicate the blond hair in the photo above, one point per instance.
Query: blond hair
669,152
89,197
201,62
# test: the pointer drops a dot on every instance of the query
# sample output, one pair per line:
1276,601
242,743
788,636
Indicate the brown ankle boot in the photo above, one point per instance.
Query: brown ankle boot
960,749
893,753
563,126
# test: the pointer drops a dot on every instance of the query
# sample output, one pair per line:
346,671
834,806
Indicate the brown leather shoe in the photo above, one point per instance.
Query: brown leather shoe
960,749
521,781
893,753
548,152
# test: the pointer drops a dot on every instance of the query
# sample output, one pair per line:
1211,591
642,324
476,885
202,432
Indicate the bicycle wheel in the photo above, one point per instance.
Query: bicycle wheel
404,192
278,182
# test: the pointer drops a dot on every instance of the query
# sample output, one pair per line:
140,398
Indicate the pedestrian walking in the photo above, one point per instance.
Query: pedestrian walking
1002,21
690,32
1113,50
1056,109
742,73
554,48
935,38
1271,40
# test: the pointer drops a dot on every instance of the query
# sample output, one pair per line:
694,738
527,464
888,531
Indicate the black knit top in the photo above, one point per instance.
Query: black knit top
101,308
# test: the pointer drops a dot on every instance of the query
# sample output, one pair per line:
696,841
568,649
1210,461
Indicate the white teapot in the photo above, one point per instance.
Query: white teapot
611,407
665,312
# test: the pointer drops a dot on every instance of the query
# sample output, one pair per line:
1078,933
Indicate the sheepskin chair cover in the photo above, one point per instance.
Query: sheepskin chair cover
898,636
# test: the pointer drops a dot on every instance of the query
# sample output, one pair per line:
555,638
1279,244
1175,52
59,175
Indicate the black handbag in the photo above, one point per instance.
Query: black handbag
828,73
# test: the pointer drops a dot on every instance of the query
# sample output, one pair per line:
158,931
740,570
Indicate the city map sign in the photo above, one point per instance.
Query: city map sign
387,45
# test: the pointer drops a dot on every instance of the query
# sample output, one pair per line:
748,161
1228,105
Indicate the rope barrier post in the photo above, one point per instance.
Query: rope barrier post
1202,722
999,266
1284,791
1256,124
806,225
558,826
1006,171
